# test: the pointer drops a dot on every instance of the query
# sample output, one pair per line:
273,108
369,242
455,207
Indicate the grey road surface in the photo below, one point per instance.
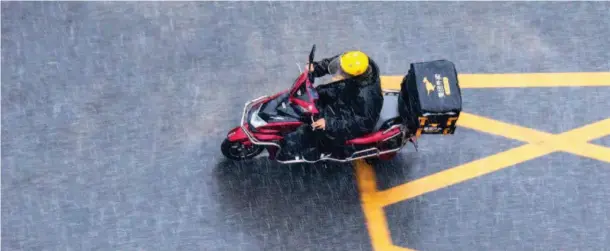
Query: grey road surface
113,113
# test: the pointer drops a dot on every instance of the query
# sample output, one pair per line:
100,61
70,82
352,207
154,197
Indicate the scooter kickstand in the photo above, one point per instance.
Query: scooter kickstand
414,142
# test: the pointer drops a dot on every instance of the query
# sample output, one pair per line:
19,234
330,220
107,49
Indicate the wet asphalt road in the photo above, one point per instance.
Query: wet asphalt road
113,113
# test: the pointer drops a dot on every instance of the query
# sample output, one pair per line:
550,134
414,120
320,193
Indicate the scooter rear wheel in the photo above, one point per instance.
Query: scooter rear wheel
239,151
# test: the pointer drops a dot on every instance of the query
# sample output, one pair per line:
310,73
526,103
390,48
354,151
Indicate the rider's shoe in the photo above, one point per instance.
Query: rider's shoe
325,155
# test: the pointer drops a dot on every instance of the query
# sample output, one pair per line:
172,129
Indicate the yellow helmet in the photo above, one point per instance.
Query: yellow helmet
354,63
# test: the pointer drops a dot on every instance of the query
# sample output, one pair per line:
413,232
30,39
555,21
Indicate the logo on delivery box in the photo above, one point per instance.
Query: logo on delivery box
441,85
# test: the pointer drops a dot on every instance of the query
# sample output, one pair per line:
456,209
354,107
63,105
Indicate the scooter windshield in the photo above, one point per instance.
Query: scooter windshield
335,71
298,81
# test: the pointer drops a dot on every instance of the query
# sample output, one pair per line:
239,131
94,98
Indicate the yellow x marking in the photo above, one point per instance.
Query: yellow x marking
537,144
540,144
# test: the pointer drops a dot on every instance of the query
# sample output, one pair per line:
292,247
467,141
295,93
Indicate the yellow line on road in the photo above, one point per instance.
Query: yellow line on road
573,141
540,144
373,212
537,144
500,128
460,174
518,80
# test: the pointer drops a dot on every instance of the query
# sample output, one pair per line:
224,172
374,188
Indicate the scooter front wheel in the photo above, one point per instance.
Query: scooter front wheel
239,151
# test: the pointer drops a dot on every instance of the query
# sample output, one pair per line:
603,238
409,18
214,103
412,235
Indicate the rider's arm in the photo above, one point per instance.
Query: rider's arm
321,67
348,120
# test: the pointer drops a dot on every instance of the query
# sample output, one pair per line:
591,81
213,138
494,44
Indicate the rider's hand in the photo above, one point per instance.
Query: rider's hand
310,66
319,124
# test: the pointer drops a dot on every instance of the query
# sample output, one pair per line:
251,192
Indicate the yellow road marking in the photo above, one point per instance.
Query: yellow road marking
375,216
499,128
541,143
459,174
538,144
573,141
518,80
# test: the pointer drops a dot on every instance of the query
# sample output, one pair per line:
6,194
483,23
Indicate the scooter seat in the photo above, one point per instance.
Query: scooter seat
389,110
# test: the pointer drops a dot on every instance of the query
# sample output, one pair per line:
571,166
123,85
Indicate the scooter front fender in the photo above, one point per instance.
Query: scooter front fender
237,134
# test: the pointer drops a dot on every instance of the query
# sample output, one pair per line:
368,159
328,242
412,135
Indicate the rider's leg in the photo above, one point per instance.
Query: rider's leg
294,143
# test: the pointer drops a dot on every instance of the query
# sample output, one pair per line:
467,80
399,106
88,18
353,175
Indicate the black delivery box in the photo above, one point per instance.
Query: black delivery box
430,99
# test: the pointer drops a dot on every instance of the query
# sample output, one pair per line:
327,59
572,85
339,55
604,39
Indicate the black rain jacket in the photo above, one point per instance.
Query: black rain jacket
351,107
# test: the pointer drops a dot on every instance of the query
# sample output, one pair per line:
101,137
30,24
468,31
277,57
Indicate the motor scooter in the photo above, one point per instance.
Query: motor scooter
265,121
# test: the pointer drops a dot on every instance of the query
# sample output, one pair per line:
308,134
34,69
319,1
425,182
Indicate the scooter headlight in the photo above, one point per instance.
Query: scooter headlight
257,121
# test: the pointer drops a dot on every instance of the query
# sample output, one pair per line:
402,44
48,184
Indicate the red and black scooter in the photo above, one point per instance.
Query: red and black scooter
267,119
